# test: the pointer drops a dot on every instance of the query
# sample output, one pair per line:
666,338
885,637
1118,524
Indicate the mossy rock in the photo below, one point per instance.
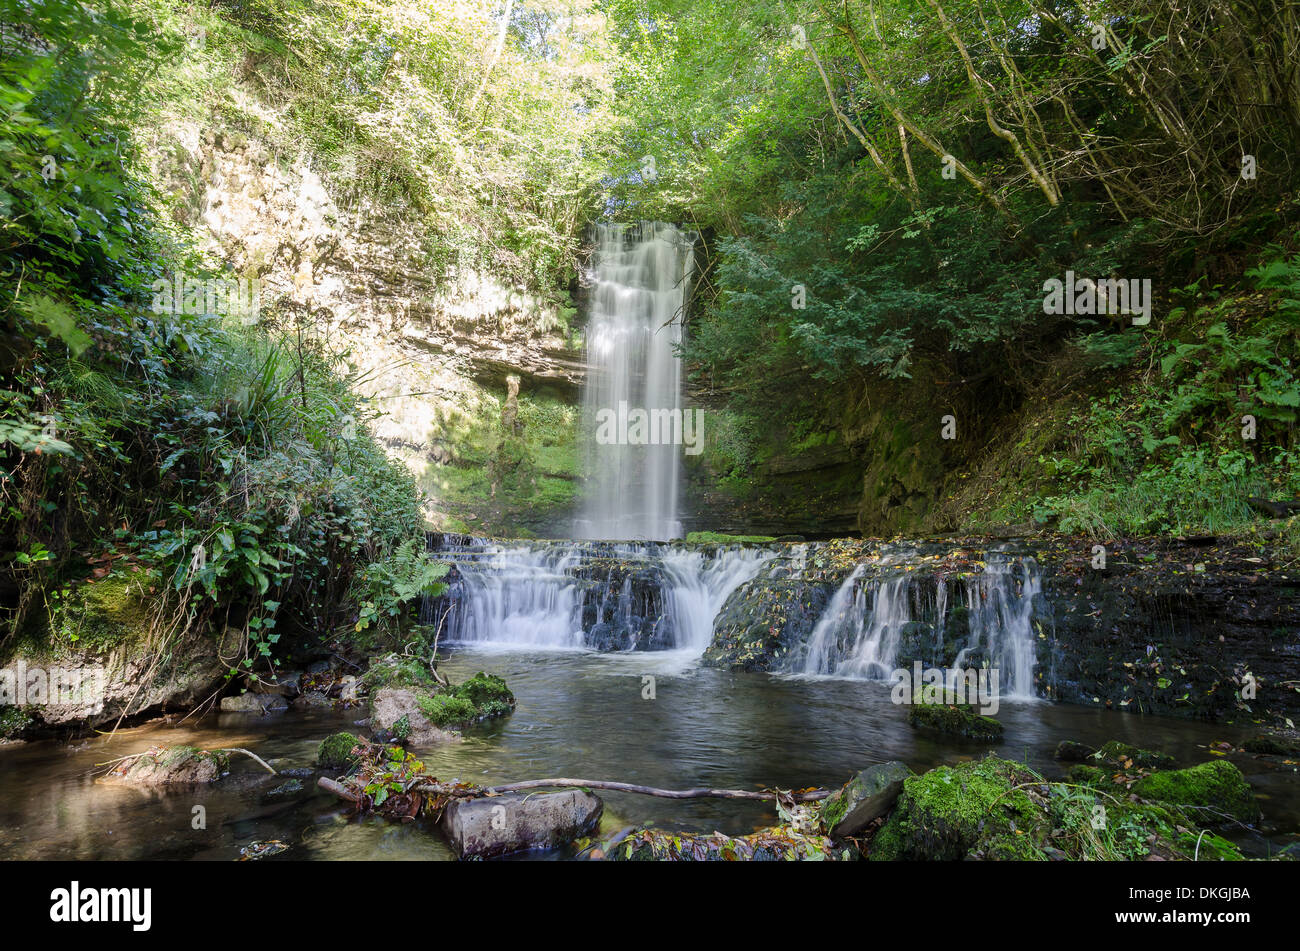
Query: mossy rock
1068,751
968,810
955,721
718,538
97,617
1273,744
1085,775
161,766
482,689
1119,755
397,671
444,709
1213,792
336,750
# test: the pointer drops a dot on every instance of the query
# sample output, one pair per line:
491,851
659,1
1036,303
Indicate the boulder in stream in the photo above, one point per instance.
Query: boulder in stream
1124,756
866,797
500,825
399,711
336,750
254,703
161,766
1069,751
1273,744
955,721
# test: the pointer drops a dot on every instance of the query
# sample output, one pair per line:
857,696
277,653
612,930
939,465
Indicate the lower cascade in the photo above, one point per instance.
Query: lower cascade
601,596
981,620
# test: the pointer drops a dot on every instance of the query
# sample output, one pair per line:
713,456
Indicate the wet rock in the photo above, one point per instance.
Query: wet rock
765,620
1171,628
1273,744
160,766
336,750
398,711
290,788
500,825
1214,792
254,703
954,721
285,684
972,810
866,797
1068,751
260,850
1123,756
109,662
313,699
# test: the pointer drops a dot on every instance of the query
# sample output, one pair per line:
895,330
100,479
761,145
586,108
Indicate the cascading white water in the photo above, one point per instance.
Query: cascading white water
1001,623
858,634
547,595
517,596
701,586
637,305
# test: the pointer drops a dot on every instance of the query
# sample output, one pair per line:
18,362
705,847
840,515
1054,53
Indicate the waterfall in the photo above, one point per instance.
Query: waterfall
638,300
870,629
700,586
602,596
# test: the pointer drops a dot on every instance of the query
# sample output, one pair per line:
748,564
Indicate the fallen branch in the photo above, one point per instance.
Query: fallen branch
254,756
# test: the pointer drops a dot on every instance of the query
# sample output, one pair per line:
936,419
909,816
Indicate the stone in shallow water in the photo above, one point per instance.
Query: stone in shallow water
398,711
866,797
255,703
160,766
1122,756
955,721
1273,744
1068,751
500,825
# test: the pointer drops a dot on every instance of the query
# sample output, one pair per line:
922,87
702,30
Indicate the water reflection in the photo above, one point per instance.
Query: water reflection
579,715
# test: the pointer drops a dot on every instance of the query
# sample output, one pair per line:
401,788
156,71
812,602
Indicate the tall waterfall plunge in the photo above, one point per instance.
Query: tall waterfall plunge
641,275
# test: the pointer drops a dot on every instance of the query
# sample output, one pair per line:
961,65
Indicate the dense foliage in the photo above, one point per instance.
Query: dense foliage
883,189
224,458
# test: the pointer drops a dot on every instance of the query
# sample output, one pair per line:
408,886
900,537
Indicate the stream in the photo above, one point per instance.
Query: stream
580,714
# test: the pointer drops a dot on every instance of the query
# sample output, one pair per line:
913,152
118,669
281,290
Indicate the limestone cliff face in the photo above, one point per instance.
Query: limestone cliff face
432,346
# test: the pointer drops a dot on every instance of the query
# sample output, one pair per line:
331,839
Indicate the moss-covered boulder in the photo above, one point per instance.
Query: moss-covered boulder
446,709
1123,756
174,765
1068,751
488,693
335,751
1273,744
955,721
408,702
397,670
99,641
1216,792
399,712
972,810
